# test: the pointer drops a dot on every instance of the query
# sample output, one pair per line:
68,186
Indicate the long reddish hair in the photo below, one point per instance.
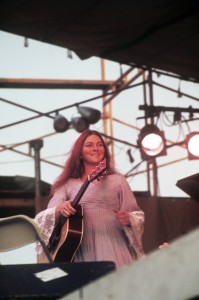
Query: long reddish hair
74,167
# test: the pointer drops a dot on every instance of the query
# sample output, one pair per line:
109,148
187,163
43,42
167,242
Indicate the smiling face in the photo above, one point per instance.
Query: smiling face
92,151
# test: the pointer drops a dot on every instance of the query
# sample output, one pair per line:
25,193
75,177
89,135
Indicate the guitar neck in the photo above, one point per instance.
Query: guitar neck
80,193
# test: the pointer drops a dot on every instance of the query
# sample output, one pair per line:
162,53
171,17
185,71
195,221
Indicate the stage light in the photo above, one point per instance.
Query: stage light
61,124
26,42
90,114
151,142
80,124
192,142
69,54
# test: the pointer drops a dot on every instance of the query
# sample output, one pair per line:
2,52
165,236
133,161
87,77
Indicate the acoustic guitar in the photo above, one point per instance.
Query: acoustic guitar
68,232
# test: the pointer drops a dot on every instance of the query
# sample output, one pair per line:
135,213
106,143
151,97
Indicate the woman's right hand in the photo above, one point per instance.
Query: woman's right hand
65,208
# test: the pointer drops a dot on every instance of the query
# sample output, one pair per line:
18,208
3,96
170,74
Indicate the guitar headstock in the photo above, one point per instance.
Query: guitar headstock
100,170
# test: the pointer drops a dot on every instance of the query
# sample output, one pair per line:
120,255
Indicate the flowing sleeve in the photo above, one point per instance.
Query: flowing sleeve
46,222
46,219
134,231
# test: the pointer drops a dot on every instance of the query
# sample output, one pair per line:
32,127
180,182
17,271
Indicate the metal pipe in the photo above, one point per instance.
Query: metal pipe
37,145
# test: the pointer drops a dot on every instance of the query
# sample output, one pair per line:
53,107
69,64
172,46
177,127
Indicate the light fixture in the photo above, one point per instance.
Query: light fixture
26,42
80,124
192,142
61,124
179,95
131,159
69,54
151,142
90,114
190,185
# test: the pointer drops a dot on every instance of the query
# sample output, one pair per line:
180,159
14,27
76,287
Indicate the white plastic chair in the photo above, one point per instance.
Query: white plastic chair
18,231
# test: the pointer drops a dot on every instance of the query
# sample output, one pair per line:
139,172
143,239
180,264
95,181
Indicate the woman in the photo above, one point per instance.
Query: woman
113,222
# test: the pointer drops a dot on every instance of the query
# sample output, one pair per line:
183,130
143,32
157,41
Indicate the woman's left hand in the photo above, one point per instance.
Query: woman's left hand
122,217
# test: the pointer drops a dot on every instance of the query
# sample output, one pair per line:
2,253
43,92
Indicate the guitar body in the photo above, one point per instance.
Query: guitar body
70,237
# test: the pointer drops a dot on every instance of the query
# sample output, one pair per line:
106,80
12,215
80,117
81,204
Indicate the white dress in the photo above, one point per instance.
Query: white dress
104,238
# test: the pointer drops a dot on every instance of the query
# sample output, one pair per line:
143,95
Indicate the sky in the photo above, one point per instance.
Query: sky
45,61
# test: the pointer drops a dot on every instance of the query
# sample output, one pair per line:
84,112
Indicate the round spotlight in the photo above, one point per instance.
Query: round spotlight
61,124
92,115
151,142
193,145
80,124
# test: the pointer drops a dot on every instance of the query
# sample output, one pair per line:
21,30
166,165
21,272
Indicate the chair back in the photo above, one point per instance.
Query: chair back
18,231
